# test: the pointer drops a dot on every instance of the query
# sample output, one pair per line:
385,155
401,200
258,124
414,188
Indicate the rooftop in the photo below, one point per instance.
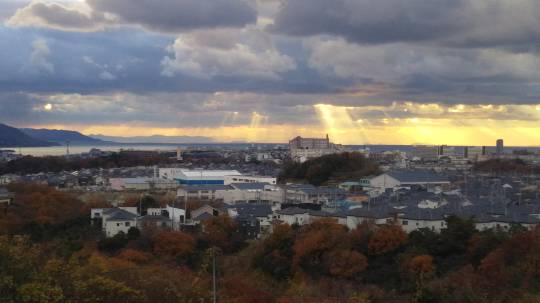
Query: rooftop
209,173
118,214
250,186
417,176
208,187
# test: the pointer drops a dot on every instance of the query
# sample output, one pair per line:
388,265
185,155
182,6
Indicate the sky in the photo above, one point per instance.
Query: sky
456,72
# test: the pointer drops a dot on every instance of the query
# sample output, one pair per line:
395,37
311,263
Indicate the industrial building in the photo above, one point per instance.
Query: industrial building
196,177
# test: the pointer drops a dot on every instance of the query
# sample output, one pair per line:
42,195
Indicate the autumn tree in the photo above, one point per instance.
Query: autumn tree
173,244
239,289
386,239
135,256
314,244
345,263
221,231
275,253
419,267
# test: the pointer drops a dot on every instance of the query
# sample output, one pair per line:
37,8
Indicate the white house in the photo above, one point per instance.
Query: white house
117,220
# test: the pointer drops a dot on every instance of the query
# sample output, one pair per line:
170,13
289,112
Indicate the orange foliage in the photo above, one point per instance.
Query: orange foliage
173,244
219,230
421,264
40,204
239,289
386,239
134,256
346,263
317,239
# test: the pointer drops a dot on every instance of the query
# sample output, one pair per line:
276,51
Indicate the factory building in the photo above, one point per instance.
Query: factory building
196,177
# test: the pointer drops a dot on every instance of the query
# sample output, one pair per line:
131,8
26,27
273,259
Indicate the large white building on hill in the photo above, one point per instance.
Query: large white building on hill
303,149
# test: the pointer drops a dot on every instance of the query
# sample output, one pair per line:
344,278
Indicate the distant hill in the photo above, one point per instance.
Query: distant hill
61,136
156,139
13,137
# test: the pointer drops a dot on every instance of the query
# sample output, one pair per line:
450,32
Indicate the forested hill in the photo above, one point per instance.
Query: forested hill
329,169
12,137
60,136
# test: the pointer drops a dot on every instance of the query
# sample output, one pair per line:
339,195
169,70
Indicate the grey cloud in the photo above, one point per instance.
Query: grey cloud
17,108
449,22
420,72
169,16
227,53
179,15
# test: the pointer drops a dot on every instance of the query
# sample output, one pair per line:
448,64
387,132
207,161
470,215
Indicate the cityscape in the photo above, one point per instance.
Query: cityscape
280,151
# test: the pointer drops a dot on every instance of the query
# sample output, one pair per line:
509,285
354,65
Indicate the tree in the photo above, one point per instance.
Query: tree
37,292
133,233
386,239
113,244
135,256
275,253
240,289
334,167
345,263
419,267
219,232
173,244
315,242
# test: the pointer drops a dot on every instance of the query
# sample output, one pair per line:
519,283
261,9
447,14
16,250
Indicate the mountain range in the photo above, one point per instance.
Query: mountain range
31,137
156,139
61,136
13,137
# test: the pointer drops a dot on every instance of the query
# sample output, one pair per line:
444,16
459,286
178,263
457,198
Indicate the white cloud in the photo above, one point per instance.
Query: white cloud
39,58
61,16
226,52
107,76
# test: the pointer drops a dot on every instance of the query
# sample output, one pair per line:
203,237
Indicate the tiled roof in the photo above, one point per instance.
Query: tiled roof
121,215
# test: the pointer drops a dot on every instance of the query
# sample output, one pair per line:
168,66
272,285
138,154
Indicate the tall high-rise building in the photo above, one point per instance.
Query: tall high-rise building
500,147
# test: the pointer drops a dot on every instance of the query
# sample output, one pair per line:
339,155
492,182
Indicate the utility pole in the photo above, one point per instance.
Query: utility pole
214,284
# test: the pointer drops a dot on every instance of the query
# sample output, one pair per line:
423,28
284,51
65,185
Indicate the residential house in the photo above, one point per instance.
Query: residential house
253,219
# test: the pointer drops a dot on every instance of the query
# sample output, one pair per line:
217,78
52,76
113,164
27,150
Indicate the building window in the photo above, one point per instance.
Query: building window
404,222
118,224
128,223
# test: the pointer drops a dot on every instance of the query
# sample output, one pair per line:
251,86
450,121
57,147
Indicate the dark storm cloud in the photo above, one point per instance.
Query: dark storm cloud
18,108
449,22
179,15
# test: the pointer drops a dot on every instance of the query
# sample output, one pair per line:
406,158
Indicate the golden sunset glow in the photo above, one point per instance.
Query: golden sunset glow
428,124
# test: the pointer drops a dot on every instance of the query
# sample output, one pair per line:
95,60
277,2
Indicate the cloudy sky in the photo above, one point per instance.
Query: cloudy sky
367,72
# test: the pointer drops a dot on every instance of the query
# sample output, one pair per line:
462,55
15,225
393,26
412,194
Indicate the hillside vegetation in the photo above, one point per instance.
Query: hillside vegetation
329,169
502,166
